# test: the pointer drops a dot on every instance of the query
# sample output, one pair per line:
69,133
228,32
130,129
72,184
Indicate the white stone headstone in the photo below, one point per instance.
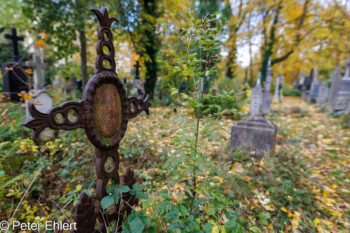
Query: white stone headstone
342,102
267,99
43,103
322,94
256,99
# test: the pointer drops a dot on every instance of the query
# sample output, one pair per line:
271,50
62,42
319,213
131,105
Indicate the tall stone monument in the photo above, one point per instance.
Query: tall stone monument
322,94
255,132
342,101
278,95
40,97
333,91
267,89
314,88
305,90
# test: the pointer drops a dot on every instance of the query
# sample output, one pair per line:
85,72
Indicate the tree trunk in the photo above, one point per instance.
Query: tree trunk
83,56
267,52
151,45
231,58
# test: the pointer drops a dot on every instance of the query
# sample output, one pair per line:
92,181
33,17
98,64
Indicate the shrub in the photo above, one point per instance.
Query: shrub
228,103
290,91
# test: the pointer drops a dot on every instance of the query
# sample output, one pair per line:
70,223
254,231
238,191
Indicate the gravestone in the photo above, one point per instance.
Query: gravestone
130,90
342,100
267,98
215,90
280,89
137,83
15,80
38,65
305,92
333,91
41,98
314,88
103,112
322,94
300,83
255,133
43,103
277,92
256,98
58,82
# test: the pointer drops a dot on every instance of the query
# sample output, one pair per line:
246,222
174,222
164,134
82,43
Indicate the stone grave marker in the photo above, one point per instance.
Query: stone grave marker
342,101
255,133
41,98
267,99
280,89
103,112
333,91
314,88
276,94
15,80
305,92
137,83
215,90
256,98
322,94
300,83
38,65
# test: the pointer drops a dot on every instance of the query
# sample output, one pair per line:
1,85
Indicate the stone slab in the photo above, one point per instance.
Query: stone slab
256,134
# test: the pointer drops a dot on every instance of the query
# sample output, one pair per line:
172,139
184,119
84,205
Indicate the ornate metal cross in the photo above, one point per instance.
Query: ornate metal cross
103,112
14,38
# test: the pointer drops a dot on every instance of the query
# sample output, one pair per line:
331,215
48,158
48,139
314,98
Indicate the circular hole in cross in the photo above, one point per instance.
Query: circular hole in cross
132,107
72,116
106,64
105,50
109,164
59,118
105,36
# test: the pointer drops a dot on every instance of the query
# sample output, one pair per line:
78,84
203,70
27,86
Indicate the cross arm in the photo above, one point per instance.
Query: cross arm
39,121
136,106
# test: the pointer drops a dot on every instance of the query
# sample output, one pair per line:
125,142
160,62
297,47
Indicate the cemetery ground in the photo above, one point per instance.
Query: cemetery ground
303,187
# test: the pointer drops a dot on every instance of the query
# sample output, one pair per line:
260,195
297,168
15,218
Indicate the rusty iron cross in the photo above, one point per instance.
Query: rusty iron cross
103,112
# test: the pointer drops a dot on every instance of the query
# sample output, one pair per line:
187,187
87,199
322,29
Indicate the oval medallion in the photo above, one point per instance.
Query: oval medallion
107,110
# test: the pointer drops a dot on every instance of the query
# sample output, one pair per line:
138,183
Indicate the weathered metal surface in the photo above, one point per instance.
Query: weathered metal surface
107,114
136,106
103,112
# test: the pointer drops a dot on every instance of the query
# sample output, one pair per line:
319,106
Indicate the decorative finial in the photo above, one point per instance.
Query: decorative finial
104,59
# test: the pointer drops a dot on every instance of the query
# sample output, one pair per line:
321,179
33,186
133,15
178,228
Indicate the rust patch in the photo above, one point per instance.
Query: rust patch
107,110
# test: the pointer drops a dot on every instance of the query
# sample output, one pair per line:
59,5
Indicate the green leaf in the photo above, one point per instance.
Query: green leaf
107,201
141,195
137,187
122,188
183,210
208,228
191,56
174,91
136,225
201,42
110,189
77,189
184,95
